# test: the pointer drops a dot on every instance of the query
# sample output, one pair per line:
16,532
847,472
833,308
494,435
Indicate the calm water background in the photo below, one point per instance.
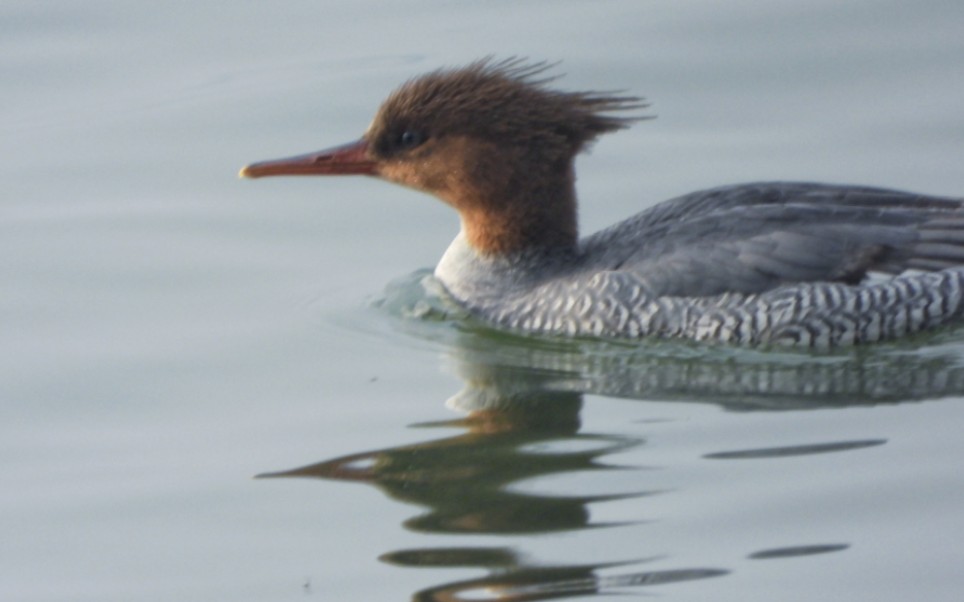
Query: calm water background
169,331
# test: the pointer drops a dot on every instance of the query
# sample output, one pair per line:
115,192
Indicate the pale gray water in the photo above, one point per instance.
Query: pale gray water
170,331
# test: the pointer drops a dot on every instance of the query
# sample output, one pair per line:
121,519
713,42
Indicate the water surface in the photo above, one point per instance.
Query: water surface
170,332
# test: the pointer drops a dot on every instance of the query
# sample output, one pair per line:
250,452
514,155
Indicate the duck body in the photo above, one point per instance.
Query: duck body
776,263
781,263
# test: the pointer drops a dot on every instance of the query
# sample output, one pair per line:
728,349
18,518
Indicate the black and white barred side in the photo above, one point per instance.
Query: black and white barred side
815,315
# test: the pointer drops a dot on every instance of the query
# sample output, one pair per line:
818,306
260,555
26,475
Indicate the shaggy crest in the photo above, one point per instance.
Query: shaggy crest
505,101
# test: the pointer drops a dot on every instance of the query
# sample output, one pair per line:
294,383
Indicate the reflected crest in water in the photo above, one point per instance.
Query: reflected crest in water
511,579
465,483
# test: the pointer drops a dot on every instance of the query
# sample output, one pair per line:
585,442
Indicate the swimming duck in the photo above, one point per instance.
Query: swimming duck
775,263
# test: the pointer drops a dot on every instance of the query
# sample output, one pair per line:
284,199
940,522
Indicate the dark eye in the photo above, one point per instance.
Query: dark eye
409,139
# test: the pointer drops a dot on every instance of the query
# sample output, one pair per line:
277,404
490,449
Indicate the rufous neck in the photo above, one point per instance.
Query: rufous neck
528,216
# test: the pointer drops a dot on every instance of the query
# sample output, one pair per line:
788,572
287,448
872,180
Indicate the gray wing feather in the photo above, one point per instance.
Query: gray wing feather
752,238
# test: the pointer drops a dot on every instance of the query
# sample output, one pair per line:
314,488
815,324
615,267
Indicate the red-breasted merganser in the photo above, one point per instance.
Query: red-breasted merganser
765,263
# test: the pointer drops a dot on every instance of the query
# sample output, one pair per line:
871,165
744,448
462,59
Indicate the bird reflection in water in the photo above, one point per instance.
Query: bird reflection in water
466,481
521,402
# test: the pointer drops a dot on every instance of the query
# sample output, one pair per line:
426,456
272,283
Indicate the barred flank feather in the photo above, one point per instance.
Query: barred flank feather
819,315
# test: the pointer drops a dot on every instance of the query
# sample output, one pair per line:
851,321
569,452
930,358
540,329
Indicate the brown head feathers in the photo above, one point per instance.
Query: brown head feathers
505,102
